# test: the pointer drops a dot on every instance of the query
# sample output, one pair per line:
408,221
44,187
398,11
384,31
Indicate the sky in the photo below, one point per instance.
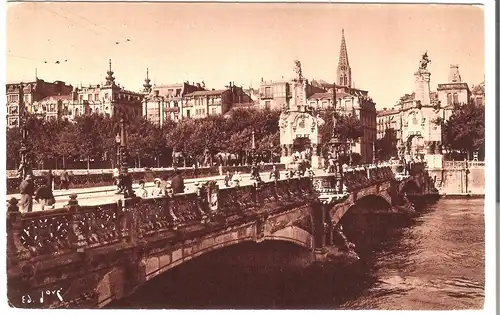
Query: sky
243,42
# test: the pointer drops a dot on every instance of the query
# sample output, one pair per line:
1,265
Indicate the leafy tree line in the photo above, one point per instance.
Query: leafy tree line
90,141
464,132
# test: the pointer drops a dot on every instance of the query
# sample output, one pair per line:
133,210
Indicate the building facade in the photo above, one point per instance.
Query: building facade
162,102
416,119
274,95
201,104
31,93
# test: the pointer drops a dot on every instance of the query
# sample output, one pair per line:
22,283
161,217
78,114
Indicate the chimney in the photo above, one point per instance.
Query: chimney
198,85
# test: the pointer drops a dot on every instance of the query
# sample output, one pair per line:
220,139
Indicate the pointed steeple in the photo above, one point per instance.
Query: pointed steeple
147,84
110,80
343,68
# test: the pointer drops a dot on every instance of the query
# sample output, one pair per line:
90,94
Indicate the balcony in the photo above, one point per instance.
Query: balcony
266,96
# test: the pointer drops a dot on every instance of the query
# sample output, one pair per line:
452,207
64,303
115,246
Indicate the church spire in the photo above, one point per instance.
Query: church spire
110,80
343,68
147,84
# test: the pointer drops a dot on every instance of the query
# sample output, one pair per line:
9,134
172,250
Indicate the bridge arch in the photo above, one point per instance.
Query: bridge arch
382,201
409,186
157,264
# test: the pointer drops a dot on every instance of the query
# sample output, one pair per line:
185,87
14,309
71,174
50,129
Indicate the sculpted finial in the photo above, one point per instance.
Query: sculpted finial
298,70
425,61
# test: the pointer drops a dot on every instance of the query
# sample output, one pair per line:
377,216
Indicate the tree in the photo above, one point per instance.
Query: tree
89,141
13,139
346,128
464,130
385,147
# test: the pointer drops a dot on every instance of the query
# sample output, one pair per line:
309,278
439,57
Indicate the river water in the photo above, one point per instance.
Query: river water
430,262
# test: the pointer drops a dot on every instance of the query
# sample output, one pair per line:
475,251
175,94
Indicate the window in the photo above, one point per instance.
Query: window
213,110
106,96
268,92
268,104
90,97
81,98
448,101
96,97
188,113
455,98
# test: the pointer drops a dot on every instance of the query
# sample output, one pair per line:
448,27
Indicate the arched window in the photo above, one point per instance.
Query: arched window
455,98
449,100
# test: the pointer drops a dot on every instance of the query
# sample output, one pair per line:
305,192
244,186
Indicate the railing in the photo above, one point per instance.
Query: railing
77,228
463,164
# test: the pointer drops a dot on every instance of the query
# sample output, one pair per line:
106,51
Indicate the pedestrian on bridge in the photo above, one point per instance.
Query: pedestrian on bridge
26,189
64,178
227,179
45,197
178,184
237,178
142,192
158,190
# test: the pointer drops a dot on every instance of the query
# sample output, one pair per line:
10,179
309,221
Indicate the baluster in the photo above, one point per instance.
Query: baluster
15,249
75,237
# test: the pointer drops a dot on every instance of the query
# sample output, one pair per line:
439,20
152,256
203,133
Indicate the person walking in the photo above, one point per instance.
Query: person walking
227,179
142,192
64,178
158,190
177,184
45,197
237,178
275,174
26,188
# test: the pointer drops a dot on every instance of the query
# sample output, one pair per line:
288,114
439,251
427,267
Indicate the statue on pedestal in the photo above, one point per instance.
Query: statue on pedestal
425,61
298,71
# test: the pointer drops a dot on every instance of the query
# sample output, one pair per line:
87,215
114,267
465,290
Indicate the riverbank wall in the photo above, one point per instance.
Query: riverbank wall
460,179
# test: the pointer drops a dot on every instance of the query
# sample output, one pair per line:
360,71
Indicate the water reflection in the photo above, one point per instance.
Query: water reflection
433,261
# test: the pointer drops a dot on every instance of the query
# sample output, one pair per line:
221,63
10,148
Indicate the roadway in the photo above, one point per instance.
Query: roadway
93,196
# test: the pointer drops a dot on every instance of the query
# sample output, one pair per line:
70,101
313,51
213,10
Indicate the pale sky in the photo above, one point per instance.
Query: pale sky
243,43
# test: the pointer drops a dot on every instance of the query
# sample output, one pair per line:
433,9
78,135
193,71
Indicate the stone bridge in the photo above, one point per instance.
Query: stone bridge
88,256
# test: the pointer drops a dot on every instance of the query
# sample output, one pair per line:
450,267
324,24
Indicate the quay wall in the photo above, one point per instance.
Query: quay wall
459,180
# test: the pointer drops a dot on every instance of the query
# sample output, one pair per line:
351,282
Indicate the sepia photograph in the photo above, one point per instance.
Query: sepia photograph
248,156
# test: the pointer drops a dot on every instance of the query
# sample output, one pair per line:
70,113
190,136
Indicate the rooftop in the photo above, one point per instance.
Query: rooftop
387,112
206,93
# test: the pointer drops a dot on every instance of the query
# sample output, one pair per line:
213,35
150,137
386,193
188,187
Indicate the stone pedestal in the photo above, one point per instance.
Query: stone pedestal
422,86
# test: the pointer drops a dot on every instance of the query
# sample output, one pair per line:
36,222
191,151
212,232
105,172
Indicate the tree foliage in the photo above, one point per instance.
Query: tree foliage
345,127
464,130
91,140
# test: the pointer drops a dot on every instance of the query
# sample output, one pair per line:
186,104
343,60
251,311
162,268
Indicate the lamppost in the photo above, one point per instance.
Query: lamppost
25,165
125,178
254,169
